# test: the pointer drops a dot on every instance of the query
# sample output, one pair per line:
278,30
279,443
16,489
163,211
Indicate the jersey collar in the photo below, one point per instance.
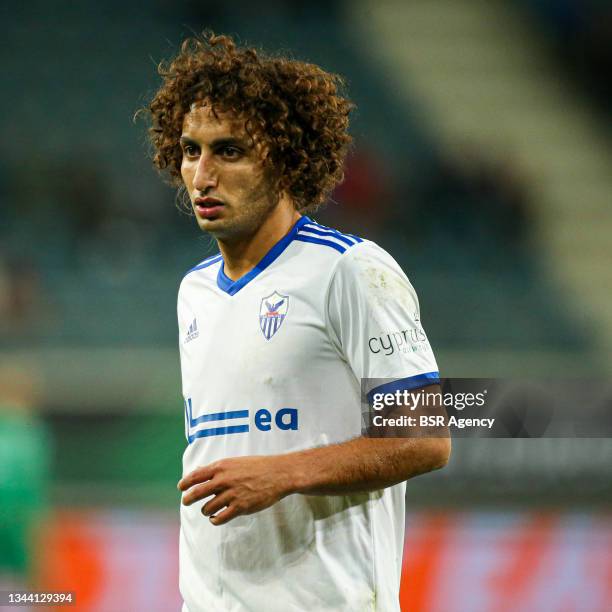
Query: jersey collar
232,287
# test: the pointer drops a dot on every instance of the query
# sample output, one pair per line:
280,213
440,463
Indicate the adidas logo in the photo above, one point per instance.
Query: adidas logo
192,332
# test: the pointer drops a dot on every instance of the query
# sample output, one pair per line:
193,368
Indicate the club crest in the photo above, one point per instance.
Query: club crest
272,313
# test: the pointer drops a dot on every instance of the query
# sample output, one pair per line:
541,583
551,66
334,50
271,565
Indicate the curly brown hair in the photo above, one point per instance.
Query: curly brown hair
296,110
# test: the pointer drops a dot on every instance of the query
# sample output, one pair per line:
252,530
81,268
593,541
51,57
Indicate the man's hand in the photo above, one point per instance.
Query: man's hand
244,485
241,485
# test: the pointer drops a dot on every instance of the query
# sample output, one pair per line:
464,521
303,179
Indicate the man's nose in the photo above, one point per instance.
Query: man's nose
206,173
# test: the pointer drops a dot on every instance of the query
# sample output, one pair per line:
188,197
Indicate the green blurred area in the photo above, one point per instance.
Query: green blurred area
25,453
105,459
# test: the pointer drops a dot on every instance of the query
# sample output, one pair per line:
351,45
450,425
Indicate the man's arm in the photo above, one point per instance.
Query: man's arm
243,485
365,464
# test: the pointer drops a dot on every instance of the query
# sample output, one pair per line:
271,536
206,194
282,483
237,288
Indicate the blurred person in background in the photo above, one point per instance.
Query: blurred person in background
286,505
364,196
24,473
23,309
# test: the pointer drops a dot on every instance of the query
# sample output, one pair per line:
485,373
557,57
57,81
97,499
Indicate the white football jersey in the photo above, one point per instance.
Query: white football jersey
271,363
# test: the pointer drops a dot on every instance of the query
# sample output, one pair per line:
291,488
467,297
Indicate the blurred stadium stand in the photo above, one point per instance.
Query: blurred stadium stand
78,185
490,83
478,164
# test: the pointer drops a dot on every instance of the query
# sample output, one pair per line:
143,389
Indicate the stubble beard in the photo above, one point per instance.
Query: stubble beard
249,215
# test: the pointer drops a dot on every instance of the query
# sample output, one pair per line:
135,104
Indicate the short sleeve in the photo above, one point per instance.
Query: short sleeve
374,319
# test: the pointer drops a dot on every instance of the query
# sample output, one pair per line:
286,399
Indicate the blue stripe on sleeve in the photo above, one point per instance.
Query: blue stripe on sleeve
331,229
329,233
407,384
314,240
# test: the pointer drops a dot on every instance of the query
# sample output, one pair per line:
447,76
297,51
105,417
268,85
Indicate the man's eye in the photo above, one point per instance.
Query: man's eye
231,152
190,150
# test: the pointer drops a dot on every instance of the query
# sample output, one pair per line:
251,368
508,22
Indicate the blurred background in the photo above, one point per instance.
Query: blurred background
483,163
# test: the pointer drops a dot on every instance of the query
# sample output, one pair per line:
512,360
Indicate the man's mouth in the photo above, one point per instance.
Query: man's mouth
208,207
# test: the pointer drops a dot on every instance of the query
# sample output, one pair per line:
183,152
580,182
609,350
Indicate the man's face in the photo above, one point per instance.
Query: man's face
230,192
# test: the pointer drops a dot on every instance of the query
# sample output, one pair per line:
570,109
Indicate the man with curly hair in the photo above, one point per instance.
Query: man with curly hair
286,505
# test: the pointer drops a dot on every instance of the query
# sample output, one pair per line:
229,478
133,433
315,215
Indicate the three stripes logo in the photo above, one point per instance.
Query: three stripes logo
192,332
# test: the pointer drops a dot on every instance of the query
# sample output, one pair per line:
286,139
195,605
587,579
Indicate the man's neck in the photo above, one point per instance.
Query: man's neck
242,256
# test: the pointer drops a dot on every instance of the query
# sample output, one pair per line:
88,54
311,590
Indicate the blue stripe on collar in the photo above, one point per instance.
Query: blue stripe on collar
232,287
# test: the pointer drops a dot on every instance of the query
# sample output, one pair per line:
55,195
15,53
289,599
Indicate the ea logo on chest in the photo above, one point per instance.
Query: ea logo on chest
285,418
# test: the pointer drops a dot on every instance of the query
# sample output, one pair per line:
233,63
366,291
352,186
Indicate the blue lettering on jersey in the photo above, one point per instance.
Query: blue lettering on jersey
287,418
263,419
284,419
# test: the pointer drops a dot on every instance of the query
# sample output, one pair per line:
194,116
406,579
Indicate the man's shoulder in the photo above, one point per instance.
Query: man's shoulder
325,239
206,263
369,267
341,252
322,251
206,269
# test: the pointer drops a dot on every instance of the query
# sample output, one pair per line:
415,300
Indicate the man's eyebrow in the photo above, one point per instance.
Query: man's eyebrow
217,142
228,141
